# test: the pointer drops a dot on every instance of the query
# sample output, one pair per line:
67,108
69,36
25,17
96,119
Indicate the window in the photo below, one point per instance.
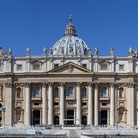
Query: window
36,103
103,92
56,92
83,92
36,66
84,103
55,66
84,66
104,104
56,103
103,66
19,67
19,93
70,92
36,92
121,67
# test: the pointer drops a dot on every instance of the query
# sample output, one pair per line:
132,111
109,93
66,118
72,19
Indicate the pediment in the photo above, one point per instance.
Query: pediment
70,68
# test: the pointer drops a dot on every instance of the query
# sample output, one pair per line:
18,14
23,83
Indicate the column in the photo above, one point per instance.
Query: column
44,104
1,85
131,109
90,107
8,105
32,119
96,105
62,104
50,105
27,106
78,107
112,105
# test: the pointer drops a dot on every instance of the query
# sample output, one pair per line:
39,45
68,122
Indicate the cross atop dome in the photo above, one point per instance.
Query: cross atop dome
70,28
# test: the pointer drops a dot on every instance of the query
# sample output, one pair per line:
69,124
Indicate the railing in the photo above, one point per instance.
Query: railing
70,97
36,98
104,98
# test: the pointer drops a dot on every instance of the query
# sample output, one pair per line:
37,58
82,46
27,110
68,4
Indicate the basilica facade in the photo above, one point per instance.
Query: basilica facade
69,85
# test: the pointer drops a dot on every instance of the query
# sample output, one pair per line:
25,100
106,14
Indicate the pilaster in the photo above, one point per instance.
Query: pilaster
96,105
8,105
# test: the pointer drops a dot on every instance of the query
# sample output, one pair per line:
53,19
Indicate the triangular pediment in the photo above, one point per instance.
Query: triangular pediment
70,68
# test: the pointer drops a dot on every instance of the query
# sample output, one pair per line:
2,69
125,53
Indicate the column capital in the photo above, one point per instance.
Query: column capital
44,84
112,84
8,85
50,83
89,83
27,85
131,85
62,84
78,84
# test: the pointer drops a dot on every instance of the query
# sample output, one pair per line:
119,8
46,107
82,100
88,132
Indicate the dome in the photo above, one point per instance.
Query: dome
70,44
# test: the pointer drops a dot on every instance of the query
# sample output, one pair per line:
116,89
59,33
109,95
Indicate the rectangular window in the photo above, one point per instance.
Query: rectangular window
84,66
84,103
19,67
36,103
55,66
121,67
56,103
104,104
104,66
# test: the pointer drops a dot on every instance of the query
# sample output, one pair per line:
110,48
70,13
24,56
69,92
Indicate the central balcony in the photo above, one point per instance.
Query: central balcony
70,97
36,98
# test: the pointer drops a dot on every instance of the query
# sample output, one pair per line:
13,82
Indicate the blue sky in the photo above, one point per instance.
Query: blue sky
38,23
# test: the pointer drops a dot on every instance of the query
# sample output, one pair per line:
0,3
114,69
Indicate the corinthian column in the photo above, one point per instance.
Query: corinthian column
50,105
27,106
62,104
131,101
78,110
44,104
112,106
96,105
8,105
90,104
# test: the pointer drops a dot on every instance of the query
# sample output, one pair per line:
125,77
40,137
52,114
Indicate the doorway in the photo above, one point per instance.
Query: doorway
104,117
36,117
70,115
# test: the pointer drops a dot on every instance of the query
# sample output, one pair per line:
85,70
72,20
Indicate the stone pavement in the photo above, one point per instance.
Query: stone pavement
72,133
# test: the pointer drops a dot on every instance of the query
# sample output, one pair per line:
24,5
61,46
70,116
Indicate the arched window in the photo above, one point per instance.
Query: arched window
56,92
19,93
83,92
103,91
70,92
36,92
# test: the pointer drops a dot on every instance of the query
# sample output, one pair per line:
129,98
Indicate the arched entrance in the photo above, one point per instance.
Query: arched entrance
56,120
103,117
84,120
70,117
36,117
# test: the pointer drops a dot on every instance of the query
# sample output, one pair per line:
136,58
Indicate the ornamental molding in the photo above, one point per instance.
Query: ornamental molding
8,85
27,85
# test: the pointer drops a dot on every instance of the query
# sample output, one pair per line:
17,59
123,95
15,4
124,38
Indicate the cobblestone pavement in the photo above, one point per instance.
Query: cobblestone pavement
71,133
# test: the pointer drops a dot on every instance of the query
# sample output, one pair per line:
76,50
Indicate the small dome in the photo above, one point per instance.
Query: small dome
70,44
